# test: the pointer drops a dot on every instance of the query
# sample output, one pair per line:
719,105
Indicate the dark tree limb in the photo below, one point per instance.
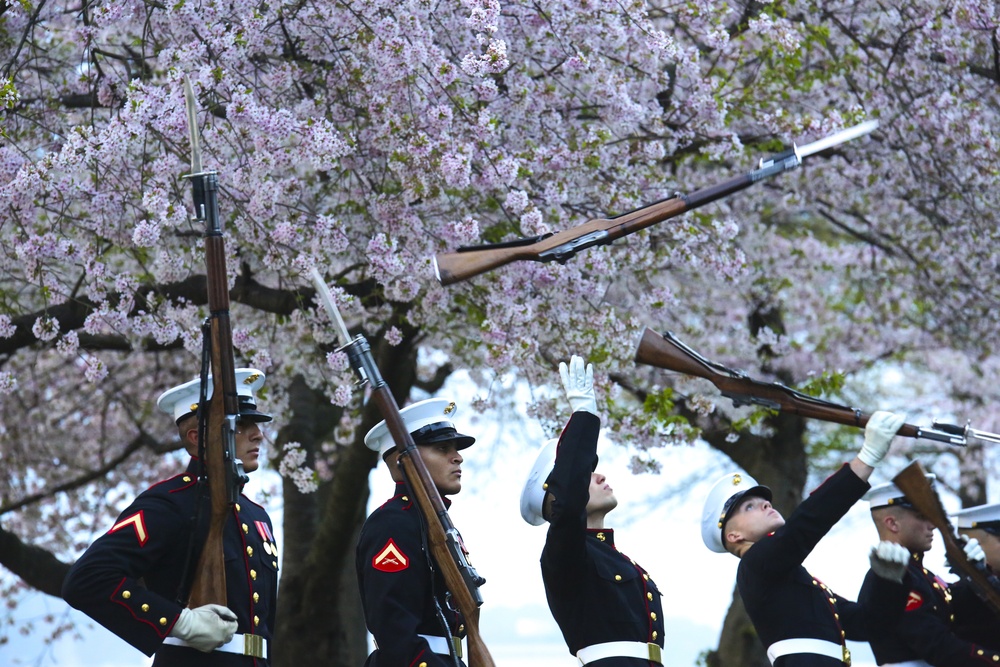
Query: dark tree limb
36,566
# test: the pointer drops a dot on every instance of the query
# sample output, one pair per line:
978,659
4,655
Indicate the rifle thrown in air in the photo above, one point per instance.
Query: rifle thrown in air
469,261
460,577
666,351
217,441
917,488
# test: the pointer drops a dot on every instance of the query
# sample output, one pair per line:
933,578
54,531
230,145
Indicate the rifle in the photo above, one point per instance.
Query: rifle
469,261
666,351
223,470
460,577
915,486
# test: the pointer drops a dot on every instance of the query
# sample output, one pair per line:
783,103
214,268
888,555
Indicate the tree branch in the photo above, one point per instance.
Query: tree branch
38,567
247,291
141,440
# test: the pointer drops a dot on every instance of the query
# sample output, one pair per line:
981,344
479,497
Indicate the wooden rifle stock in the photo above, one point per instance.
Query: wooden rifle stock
913,482
223,471
457,266
667,352
471,261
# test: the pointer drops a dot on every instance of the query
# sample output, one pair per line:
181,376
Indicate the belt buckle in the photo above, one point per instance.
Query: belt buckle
253,645
456,642
655,653
847,655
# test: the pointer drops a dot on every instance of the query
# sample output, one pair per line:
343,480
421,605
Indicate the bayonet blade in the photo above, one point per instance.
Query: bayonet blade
192,113
326,298
837,138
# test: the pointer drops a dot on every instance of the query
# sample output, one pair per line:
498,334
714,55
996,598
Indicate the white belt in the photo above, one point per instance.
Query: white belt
440,645
641,650
252,645
908,663
817,646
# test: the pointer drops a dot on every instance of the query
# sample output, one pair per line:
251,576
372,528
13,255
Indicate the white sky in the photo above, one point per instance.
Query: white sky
656,523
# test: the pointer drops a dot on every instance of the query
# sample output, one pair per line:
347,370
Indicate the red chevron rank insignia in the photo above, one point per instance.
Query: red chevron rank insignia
914,602
390,559
136,522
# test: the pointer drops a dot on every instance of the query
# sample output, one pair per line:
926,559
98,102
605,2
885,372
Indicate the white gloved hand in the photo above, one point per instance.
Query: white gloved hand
881,428
974,551
205,628
579,384
889,561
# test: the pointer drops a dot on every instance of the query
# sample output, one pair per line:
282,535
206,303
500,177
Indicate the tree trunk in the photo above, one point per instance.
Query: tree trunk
319,606
316,601
738,643
972,474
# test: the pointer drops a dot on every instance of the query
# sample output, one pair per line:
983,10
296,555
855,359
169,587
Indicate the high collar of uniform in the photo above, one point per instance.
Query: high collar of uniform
606,535
403,492
194,468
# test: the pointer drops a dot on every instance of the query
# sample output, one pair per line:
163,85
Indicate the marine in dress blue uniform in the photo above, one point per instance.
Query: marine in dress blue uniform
606,605
974,620
406,604
130,579
926,633
798,618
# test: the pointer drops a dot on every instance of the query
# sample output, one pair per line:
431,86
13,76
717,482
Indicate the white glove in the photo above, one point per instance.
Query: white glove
974,552
889,561
205,628
881,428
579,385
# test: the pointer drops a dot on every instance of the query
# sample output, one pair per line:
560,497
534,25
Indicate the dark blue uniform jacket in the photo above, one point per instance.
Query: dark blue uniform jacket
596,593
785,602
400,592
129,578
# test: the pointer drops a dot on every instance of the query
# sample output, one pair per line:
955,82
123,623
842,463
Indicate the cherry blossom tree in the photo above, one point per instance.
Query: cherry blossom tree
364,137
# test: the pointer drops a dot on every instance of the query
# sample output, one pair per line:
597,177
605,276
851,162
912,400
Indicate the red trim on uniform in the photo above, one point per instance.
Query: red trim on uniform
398,496
137,521
194,480
188,485
246,567
606,531
161,631
419,655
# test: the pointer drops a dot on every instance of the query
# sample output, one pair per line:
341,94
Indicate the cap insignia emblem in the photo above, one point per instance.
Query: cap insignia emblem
450,408
193,407
737,479
251,378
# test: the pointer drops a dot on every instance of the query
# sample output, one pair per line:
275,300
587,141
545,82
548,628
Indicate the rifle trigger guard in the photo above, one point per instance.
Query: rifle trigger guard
563,252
